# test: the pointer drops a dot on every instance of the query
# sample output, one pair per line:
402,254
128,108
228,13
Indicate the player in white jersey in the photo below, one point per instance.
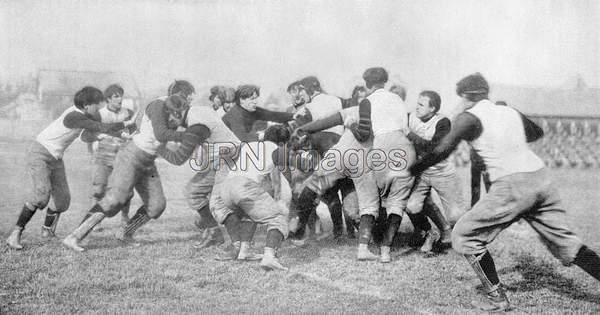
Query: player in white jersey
521,189
109,145
426,127
384,116
242,196
46,166
134,166
219,149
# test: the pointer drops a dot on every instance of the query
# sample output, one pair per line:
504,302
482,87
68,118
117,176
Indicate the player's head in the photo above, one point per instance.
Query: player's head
89,100
359,93
298,93
177,107
473,88
428,103
375,78
312,85
222,96
114,96
183,88
277,133
246,96
399,90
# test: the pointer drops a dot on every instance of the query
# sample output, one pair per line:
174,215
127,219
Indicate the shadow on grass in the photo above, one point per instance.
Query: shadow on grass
538,273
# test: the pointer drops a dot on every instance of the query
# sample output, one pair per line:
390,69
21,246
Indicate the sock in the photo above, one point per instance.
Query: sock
25,217
306,206
51,217
232,224
484,267
435,214
274,238
365,228
420,221
589,261
335,211
247,229
139,218
394,222
206,216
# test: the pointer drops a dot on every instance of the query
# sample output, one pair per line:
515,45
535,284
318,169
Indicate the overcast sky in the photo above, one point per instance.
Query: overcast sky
426,44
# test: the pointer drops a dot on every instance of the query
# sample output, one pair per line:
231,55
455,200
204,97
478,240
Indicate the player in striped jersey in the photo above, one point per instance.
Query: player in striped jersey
46,166
134,166
109,145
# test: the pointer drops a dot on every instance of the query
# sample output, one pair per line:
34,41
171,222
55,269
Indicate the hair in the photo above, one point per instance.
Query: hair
112,90
399,90
176,103
435,100
311,84
501,103
225,94
181,86
357,89
277,133
246,91
87,96
294,85
375,76
474,87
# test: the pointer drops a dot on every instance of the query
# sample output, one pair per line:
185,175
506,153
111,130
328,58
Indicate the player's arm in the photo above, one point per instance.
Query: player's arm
442,128
159,119
192,137
275,116
321,124
533,132
77,120
466,127
363,130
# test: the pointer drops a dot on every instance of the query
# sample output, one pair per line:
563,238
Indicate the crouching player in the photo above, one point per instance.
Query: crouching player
134,168
241,196
46,165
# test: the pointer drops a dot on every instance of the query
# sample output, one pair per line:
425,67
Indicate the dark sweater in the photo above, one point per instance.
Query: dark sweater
241,121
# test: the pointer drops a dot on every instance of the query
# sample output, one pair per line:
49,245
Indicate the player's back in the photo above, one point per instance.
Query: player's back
502,143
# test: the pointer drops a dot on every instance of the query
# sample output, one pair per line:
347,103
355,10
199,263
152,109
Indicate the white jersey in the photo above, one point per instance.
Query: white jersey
426,130
388,112
145,139
107,116
324,105
56,138
350,116
255,160
502,144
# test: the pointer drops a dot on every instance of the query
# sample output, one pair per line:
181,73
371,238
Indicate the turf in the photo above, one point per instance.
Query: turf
164,274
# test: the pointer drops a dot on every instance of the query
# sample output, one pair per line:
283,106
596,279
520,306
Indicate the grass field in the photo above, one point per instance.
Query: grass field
165,275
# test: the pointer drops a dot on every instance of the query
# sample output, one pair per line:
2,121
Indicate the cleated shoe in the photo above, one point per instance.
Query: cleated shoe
210,237
73,243
385,254
432,236
365,254
14,239
47,232
271,263
496,301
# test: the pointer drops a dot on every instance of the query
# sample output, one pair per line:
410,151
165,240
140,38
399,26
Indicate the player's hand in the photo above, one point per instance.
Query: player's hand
129,122
301,112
